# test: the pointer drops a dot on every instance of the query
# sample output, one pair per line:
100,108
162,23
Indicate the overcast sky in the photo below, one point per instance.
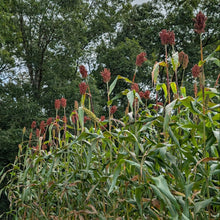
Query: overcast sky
139,1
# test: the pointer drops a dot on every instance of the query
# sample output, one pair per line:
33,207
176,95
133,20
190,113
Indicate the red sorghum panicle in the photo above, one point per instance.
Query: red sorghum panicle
74,117
83,71
102,118
135,87
199,25
164,37
57,104
106,75
63,102
86,119
44,147
82,88
171,38
37,132
113,109
141,94
30,136
42,127
167,37
64,119
58,117
185,61
35,148
49,120
157,105
33,125
147,94
141,58
181,56
195,71
76,105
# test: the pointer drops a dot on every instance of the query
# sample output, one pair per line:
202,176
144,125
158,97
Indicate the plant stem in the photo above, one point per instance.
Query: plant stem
134,74
90,97
168,81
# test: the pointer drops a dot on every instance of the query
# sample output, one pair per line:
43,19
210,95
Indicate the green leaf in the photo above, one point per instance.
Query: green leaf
172,135
112,86
217,135
91,191
124,78
132,163
175,60
109,102
162,185
170,107
216,61
130,97
195,110
138,194
188,189
155,73
184,217
166,122
173,87
218,48
139,98
81,117
201,205
201,63
162,63
164,87
168,111
183,91
133,138
115,175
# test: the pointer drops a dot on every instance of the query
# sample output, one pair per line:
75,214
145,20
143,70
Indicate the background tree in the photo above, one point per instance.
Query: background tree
45,42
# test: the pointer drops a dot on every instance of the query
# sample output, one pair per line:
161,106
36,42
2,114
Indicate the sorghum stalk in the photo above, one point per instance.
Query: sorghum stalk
134,74
176,75
90,97
167,72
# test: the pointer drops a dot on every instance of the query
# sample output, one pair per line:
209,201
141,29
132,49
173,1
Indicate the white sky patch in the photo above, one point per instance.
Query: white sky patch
139,2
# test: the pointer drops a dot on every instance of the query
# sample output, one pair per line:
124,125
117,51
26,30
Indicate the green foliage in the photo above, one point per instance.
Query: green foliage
155,161
142,165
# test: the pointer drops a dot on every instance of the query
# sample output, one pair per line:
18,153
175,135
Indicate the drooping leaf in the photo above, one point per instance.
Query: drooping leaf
172,135
175,60
138,194
173,87
183,91
130,96
168,111
81,116
162,185
112,86
115,175
164,87
217,135
201,205
124,78
155,73
218,48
